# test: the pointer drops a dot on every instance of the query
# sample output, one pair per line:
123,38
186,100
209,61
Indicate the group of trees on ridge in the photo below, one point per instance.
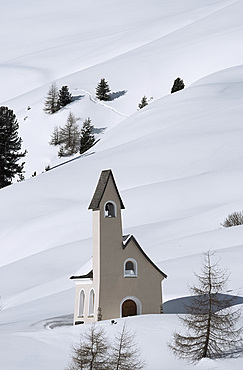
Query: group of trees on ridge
71,139
103,91
56,100
177,86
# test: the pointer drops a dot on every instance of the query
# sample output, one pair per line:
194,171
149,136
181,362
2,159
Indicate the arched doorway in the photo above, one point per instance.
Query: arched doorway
129,308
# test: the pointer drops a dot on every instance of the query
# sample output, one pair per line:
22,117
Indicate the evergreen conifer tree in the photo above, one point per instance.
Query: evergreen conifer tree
64,96
51,102
69,136
178,85
10,146
103,90
87,138
143,103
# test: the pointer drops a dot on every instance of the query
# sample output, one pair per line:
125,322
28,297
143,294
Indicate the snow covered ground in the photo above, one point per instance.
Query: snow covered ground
178,162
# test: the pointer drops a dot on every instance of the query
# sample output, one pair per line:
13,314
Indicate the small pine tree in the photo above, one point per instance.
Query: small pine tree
64,96
10,146
178,85
55,137
51,102
87,139
210,321
103,90
91,352
69,136
143,103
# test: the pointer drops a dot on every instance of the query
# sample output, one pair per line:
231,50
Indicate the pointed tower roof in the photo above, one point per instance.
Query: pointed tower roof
100,189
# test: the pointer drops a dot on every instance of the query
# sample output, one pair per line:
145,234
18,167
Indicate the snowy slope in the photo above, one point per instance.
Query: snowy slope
178,162
140,48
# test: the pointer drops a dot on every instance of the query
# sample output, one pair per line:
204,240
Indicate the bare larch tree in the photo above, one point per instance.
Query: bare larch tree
91,352
210,320
51,102
69,136
94,352
124,352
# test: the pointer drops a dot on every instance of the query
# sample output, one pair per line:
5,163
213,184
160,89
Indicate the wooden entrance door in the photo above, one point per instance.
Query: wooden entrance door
129,308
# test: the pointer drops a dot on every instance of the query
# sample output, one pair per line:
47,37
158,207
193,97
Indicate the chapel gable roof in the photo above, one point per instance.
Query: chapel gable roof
85,271
128,238
100,189
86,276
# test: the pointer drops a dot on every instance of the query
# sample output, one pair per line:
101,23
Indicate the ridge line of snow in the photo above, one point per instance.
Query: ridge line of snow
104,105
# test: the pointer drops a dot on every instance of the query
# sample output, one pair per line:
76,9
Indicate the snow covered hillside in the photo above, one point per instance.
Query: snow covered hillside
178,162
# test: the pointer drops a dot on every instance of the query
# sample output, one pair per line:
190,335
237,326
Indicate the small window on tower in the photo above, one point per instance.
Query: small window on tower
110,209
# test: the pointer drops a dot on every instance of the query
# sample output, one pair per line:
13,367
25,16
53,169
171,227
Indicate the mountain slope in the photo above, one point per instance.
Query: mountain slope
177,162
176,170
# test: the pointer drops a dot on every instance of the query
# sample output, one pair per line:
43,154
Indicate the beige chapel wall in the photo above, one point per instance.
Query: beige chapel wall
146,286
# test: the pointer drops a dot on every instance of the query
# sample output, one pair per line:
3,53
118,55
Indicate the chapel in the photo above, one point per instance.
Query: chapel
120,280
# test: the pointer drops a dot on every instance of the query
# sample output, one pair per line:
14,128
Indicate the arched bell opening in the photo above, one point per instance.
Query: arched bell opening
110,209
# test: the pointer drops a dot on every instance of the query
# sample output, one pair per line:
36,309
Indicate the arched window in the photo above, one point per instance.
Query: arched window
110,209
130,268
81,303
91,302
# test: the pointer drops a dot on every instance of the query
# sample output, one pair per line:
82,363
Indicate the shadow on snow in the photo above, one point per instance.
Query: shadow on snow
117,94
178,305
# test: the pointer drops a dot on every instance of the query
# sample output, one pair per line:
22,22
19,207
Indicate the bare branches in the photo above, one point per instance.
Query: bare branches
210,320
91,352
94,352
124,352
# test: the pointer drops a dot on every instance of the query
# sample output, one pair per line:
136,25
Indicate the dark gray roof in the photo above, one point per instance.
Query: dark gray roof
126,241
100,189
87,276
125,237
